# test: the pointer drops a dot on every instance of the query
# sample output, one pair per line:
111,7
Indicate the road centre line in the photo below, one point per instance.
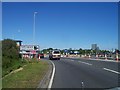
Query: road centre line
111,70
85,63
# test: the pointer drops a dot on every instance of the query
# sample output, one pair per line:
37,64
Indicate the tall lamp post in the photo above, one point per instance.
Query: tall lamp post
34,30
34,27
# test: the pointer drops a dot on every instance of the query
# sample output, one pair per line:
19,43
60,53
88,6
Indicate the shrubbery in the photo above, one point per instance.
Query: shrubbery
10,56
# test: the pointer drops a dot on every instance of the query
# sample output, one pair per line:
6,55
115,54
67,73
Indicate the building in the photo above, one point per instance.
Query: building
18,42
29,51
94,47
97,48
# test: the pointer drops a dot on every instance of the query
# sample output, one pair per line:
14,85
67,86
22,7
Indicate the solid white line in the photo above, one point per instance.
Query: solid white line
111,70
52,77
85,63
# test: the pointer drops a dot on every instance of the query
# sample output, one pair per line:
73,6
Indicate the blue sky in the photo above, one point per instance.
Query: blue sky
62,25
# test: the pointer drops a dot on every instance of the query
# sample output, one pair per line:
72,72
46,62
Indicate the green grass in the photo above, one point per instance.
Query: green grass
29,77
15,65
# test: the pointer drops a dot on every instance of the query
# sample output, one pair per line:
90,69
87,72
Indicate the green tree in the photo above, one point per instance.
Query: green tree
50,49
44,51
10,52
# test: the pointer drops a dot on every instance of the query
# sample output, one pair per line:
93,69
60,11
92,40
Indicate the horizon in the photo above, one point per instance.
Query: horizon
68,48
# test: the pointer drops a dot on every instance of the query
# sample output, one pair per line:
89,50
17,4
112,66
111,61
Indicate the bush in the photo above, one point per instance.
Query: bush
10,56
10,52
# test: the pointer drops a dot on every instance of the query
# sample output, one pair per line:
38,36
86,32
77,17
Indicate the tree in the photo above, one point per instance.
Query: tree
10,52
50,49
44,51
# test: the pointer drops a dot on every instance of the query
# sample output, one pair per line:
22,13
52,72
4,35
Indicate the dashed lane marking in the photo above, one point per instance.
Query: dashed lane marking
111,70
85,63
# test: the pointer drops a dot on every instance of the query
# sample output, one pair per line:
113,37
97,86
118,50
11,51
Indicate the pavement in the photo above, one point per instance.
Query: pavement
83,73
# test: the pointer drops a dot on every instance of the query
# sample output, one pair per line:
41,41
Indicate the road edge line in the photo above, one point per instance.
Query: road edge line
52,76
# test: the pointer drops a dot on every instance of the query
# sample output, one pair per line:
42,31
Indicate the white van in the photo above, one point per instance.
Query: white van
55,54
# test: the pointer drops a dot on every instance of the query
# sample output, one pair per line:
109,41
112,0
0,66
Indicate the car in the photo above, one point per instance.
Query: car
55,54
41,55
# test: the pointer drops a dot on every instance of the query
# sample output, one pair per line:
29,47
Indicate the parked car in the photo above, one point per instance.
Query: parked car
55,54
41,55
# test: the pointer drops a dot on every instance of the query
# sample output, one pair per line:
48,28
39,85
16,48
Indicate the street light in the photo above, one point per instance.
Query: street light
34,27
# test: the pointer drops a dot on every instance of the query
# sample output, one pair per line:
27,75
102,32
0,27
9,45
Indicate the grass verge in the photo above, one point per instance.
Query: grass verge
29,77
13,66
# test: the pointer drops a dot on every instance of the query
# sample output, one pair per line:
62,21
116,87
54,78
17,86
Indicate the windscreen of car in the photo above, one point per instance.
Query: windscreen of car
56,52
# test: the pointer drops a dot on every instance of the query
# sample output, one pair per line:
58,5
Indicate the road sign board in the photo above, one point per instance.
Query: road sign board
29,47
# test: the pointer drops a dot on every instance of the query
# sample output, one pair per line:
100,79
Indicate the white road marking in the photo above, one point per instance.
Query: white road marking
111,70
85,63
72,60
52,77
103,60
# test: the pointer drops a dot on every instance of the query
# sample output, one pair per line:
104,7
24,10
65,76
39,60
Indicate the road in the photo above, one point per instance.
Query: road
83,73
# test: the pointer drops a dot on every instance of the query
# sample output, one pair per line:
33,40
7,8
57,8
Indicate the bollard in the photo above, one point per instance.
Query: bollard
97,56
39,57
117,58
89,56
105,57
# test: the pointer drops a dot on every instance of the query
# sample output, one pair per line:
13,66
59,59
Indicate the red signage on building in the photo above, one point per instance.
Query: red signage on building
33,52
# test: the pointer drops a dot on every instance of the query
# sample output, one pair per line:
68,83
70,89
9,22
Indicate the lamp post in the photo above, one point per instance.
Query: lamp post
34,27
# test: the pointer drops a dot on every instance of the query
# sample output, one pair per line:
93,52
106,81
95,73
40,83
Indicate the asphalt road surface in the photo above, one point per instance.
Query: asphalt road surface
83,73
